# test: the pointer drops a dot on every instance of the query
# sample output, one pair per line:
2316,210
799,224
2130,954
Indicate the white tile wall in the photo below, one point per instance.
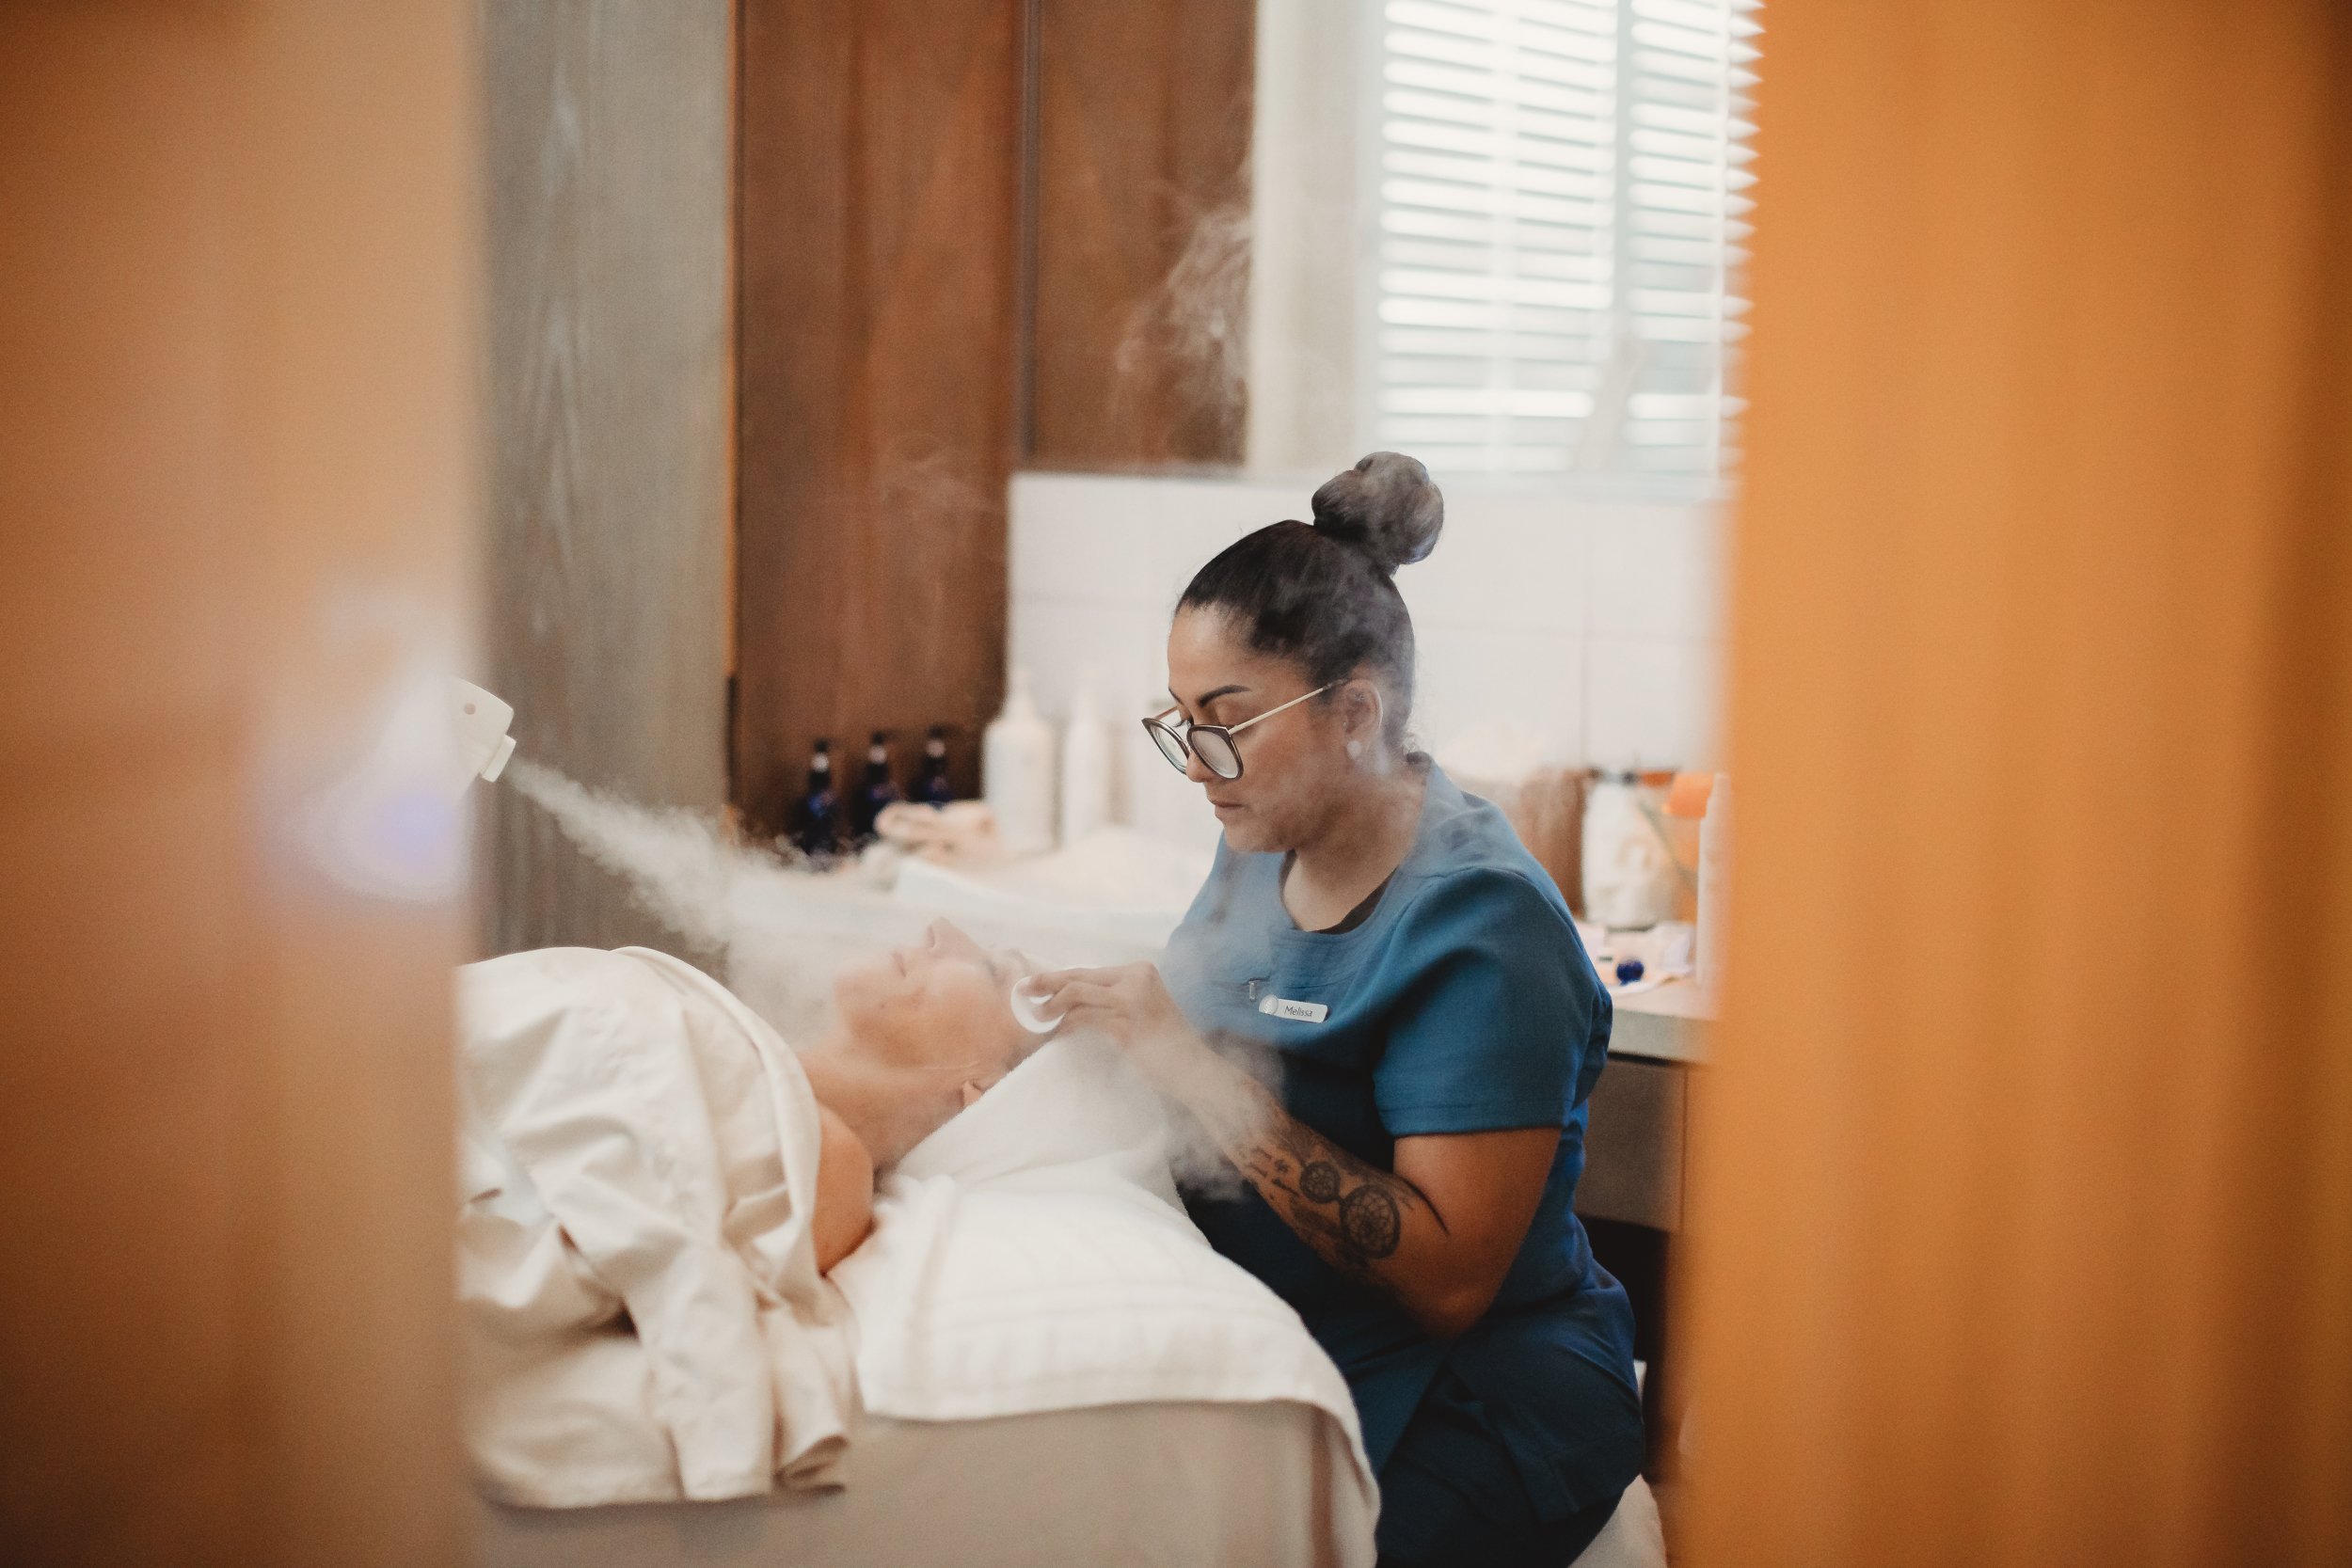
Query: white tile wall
1650,701
1470,675
1598,623
1656,571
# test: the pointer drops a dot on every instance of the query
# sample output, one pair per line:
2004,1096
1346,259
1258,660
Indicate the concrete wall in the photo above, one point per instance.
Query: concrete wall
610,376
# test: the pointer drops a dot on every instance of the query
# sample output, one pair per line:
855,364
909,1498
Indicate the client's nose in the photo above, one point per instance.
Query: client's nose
945,938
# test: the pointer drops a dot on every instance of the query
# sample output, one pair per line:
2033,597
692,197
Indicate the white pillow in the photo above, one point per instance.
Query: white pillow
1032,1255
1072,1116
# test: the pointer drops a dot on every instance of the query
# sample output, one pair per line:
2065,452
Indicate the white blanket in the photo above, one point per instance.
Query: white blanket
1031,1255
641,1155
642,1315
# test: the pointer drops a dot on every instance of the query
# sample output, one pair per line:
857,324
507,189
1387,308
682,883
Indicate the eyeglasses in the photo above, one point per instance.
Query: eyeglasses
1211,743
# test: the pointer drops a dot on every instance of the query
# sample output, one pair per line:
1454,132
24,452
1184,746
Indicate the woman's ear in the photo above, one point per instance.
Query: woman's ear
1361,710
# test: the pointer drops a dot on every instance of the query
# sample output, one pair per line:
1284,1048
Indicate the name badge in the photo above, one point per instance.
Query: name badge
1298,1012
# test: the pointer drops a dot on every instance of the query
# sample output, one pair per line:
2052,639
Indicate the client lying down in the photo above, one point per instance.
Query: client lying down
682,1275
919,1034
652,1193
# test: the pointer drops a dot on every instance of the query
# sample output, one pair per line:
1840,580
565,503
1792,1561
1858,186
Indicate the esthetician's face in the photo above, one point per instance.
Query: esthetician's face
939,1004
1290,764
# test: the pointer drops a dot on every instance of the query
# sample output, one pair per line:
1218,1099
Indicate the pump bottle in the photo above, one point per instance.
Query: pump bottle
1085,767
1017,771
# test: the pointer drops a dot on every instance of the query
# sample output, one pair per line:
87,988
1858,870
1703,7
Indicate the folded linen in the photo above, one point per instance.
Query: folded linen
642,1315
1032,1255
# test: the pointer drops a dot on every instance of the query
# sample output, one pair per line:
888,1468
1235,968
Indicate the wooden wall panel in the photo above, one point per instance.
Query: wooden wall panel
237,476
611,401
878,182
1143,182
2022,1199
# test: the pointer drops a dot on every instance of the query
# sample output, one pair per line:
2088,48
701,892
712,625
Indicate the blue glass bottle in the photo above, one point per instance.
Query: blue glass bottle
817,819
875,791
930,787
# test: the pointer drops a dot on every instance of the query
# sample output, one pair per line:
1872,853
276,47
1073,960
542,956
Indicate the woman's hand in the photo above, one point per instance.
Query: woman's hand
1130,1003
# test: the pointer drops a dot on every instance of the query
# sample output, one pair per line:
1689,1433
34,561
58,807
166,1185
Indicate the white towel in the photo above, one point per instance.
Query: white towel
1032,1255
638,1141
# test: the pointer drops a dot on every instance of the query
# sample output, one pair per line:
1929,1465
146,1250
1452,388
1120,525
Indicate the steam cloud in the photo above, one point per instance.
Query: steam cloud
1197,322
786,932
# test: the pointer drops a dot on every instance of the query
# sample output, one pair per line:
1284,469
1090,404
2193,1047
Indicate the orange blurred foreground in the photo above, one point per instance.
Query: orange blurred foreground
237,483
2025,1208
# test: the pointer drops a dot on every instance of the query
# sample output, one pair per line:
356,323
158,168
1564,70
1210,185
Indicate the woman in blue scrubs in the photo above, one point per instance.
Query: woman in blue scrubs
1379,1010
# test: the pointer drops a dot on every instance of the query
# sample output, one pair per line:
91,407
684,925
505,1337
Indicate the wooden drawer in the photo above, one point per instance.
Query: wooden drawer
1633,1147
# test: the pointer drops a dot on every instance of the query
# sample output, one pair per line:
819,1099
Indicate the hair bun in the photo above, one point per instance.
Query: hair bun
1386,505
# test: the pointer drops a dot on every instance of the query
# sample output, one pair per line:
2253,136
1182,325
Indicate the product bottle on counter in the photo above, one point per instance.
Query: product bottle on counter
930,785
817,819
1017,773
1085,767
874,791
1630,875
1714,884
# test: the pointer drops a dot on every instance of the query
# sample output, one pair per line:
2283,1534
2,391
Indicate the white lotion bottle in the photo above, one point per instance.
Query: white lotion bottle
1714,886
1017,771
1085,767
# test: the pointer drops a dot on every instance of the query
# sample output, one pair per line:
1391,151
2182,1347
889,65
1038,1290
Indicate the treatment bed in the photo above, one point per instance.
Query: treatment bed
1163,1486
1170,1484
1034,1358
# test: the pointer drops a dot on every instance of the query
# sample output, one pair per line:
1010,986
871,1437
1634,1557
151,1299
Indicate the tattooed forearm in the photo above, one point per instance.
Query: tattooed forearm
1385,1228
1350,1211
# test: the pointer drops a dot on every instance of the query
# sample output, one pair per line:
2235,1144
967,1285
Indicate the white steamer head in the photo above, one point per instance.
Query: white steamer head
480,743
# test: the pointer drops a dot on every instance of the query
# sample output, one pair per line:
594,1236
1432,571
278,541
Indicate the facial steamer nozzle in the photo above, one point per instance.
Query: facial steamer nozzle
480,745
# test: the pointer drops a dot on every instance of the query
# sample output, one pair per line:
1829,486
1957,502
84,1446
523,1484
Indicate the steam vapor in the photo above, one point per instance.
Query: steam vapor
786,930
1197,320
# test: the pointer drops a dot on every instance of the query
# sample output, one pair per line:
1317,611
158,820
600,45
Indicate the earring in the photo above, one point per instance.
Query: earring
1355,751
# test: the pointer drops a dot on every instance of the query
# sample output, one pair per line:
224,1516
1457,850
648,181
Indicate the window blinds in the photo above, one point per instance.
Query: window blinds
1559,226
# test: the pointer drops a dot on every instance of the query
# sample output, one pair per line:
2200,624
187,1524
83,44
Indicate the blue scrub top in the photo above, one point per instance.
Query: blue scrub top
1464,1003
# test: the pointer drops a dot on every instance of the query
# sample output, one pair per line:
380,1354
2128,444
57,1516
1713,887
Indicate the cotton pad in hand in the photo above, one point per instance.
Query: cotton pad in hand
1025,1010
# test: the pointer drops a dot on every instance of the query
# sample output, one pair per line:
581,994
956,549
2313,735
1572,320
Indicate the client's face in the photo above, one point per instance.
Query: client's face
938,1005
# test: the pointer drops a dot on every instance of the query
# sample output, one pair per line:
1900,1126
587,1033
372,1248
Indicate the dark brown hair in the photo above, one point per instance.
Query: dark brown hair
1323,594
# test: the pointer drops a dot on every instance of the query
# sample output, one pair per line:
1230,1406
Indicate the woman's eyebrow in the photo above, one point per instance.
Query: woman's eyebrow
1207,697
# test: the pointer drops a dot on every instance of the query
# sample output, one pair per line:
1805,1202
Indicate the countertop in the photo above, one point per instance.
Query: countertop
1670,1022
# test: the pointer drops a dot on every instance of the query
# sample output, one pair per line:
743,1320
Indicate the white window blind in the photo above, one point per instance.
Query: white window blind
1559,218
